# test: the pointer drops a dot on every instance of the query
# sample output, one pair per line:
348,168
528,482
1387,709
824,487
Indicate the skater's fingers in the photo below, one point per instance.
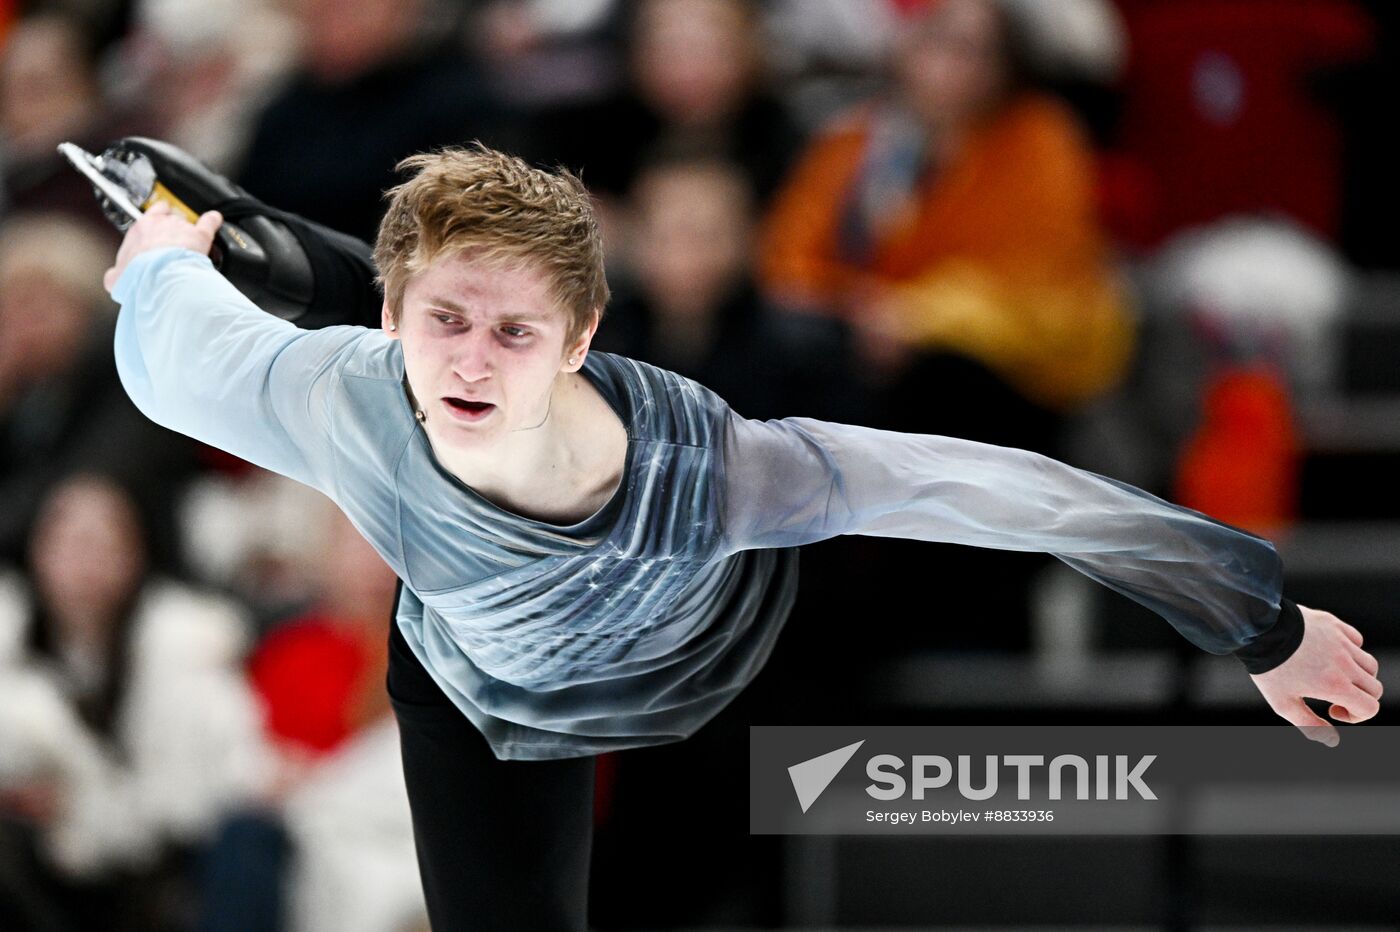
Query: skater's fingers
1351,633
1366,661
1355,706
1370,686
1295,711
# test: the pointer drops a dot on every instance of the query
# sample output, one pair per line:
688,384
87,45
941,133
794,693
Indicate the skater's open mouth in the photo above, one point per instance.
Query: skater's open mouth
464,405
464,410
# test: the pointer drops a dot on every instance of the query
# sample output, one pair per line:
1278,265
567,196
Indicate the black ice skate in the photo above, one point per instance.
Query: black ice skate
290,267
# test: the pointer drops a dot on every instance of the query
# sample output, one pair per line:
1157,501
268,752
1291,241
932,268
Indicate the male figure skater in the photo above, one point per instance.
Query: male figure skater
597,553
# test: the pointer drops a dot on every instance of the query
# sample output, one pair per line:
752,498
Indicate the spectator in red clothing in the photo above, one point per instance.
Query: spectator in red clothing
321,674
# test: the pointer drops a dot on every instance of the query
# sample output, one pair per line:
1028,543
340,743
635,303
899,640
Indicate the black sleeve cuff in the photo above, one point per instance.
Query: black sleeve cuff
1277,644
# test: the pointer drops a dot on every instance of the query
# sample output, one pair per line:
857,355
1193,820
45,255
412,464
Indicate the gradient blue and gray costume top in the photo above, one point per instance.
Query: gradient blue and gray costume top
637,625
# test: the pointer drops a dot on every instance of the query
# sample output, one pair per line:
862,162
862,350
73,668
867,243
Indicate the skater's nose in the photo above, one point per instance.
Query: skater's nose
474,352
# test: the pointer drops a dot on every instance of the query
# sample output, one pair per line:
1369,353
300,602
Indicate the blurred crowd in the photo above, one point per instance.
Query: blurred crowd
996,219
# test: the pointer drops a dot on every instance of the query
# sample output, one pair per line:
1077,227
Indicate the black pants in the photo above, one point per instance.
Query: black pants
501,844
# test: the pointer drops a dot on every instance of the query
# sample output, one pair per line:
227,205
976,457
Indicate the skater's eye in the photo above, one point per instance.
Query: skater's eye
515,332
446,319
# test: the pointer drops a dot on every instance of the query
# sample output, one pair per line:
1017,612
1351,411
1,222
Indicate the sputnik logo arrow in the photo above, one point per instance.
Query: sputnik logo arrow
811,777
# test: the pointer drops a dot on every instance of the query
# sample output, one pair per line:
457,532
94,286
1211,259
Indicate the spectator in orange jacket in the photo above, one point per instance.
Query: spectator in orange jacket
957,216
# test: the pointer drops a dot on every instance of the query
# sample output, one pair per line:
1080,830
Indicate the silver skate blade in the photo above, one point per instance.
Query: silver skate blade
91,168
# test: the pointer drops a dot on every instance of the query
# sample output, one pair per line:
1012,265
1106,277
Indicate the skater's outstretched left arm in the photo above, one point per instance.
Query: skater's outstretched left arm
798,480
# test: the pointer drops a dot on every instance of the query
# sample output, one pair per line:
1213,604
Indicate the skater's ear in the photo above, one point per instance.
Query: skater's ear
388,322
577,348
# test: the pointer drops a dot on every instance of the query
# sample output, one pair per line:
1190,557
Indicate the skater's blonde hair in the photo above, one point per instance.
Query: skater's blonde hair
495,206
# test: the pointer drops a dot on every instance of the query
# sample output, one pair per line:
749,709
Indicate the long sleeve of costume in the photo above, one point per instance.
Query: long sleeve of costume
797,480
198,357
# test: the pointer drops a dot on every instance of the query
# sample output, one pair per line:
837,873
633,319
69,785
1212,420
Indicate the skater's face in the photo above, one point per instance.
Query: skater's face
483,346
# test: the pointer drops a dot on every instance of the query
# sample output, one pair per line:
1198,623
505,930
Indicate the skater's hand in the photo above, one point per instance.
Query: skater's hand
158,228
1329,664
